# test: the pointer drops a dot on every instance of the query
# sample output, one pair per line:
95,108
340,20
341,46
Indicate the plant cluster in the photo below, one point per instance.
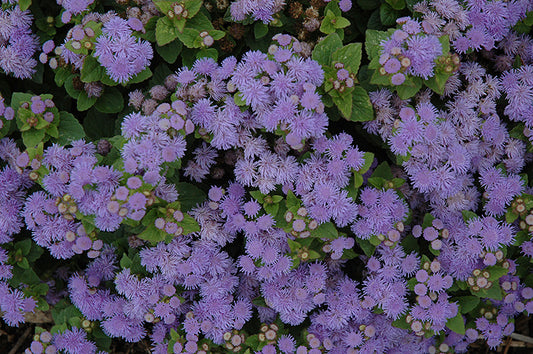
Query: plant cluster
261,176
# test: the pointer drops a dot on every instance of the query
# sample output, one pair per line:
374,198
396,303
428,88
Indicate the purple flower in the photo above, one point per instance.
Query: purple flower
74,341
18,44
120,53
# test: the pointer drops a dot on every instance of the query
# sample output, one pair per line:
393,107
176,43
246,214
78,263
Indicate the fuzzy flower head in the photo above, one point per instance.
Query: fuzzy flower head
17,43
122,54
410,52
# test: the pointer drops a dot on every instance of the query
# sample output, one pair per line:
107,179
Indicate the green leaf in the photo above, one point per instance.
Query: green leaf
140,77
125,262
272,209
314,255
239,101
98,125
85,102
24,264
165,31
163,5
252,341
496,272
189,224
325,230
328,23
445,43
189,195
257,195
216,34
376,182
341,22
374,240
373,41
333,6
32,137
468,215
358,182
24,4
396,4
193,6
378,79
510,216
91,70
69,128
294,246
409,244
401,323
366,246
468,303
101,339
24,246
170,51
35,252
362,109
409,88
190,37
293,202
61,75
383,170
428,220
368,4
200,22
369,159
456,324
277,198
350,56
438,82
152,234
69,87
494,292
388,15
324,49
207,53
63,314
343,101
111,101
40,289
108,81
348,254
260,30
411,3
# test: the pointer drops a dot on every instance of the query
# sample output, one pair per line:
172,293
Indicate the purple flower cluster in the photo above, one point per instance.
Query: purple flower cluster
13,185
471,25
293,213
381,214
73,7
156,139
409,51
122,54
74,184
262,10
516,84
17,43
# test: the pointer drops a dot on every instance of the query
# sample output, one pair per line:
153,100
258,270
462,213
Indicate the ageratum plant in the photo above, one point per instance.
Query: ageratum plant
265,177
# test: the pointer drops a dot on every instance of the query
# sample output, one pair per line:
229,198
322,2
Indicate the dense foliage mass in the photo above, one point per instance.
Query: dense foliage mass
262,176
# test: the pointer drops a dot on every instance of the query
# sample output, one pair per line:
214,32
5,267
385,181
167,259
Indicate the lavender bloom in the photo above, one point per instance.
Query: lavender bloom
259,9
409,51
120,52
380,212
74,341
17,43
13,304
73,7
